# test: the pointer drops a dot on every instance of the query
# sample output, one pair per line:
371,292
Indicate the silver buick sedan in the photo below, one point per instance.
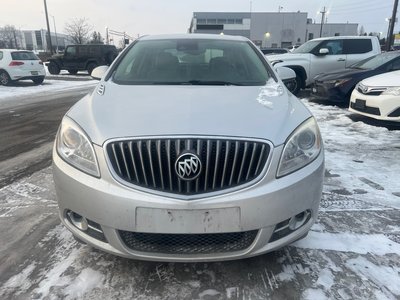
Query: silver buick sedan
189,149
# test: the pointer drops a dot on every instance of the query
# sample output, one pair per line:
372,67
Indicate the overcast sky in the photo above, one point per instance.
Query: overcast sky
173,16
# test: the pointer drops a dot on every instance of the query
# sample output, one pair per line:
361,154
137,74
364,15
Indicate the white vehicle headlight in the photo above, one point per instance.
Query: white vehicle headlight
75,148
301,148
394,91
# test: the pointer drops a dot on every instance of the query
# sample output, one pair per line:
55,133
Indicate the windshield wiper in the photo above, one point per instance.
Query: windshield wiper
211,82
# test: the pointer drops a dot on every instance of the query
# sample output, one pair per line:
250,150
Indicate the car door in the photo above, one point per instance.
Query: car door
356,50
331,61
69,59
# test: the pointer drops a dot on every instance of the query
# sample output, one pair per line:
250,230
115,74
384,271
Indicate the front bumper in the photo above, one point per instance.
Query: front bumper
382,107
260,207
328,92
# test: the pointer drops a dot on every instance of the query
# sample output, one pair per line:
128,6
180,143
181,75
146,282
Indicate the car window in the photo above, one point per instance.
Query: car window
307,47
191,61
335,47
83,50
70,51
1,55
395,65
357,46
93,50
375,61
23,55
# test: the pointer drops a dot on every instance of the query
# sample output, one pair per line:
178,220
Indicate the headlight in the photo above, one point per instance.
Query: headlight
338,82
75,148
301,148
394,91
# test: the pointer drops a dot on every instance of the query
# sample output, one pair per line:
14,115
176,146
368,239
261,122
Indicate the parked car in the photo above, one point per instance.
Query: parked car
326,54
337,86
270,51
82,58
200,161
20,65
378,97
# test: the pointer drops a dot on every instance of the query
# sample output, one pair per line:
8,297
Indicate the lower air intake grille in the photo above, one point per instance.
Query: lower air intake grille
188,243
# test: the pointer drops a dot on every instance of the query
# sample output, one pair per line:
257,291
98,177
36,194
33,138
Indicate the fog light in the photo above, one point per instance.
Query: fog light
77,220
298,220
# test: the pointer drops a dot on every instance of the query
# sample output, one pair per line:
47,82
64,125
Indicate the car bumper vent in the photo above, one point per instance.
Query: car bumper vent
395,113
367,109
150,163
188,243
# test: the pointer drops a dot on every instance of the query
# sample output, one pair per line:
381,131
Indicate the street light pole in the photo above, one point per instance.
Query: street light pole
48,27
392,22
55,31
322,21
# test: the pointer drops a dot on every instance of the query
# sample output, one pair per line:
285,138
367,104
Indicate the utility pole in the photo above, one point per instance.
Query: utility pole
48,27
392,21
322,20
55,31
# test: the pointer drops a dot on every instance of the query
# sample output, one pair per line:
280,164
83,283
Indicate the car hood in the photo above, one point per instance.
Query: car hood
289,57
241,111
347,73
385,79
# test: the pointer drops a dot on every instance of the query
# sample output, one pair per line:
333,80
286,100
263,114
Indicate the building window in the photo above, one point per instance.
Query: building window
201,21
210,27
211,21
238,21
231,21
310,36
337,34
221,21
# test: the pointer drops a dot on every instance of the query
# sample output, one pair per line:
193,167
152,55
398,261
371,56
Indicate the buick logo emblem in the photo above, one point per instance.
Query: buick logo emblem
188,166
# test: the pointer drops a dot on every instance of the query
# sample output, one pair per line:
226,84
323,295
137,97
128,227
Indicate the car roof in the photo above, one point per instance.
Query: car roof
194,36
344,37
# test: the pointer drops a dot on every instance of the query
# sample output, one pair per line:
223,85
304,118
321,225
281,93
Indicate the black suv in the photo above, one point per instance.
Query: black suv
82,57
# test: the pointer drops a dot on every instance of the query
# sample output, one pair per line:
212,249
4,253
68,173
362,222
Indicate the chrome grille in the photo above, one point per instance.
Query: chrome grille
188,243
150,163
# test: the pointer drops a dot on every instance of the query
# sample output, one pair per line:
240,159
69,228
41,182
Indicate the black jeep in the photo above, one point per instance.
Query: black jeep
82,57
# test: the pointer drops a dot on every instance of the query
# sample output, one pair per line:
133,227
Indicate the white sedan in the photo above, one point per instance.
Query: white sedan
378,97
20,65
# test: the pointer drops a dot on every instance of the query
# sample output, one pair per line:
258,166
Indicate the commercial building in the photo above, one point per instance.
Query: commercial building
268,29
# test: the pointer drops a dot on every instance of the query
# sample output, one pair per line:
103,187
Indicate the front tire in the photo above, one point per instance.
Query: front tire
297,84
91,67
54,69
5,78
73,72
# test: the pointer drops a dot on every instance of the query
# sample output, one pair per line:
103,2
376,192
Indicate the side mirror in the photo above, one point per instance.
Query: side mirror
323,51
285,73
99,72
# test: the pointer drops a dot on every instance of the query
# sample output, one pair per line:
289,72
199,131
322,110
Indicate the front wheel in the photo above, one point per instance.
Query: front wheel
5,78
73,72
54,69
91,67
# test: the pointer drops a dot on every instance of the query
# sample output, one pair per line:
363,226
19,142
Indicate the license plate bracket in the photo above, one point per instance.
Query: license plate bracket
34,73
360,104
188,220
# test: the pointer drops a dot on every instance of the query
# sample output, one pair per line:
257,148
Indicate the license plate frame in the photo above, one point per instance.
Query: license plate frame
192,221
34,73
360,104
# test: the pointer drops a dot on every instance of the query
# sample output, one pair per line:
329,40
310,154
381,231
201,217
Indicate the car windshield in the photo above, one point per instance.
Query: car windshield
375,61
23,55
192,61
306,47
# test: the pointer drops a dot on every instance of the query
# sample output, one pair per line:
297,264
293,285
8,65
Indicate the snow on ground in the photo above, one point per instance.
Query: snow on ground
352,252
24,89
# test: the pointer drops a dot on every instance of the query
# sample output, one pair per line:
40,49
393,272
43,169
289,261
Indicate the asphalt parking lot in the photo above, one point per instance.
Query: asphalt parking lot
352,252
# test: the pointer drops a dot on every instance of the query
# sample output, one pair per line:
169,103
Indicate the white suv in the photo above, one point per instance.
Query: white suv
20,65
325,54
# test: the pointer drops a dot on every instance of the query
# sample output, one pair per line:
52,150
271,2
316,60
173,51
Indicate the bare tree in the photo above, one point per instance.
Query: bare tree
78,29
8,37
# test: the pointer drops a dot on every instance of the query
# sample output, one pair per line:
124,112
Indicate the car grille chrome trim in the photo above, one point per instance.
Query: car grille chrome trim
149,163
371,91
207,243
